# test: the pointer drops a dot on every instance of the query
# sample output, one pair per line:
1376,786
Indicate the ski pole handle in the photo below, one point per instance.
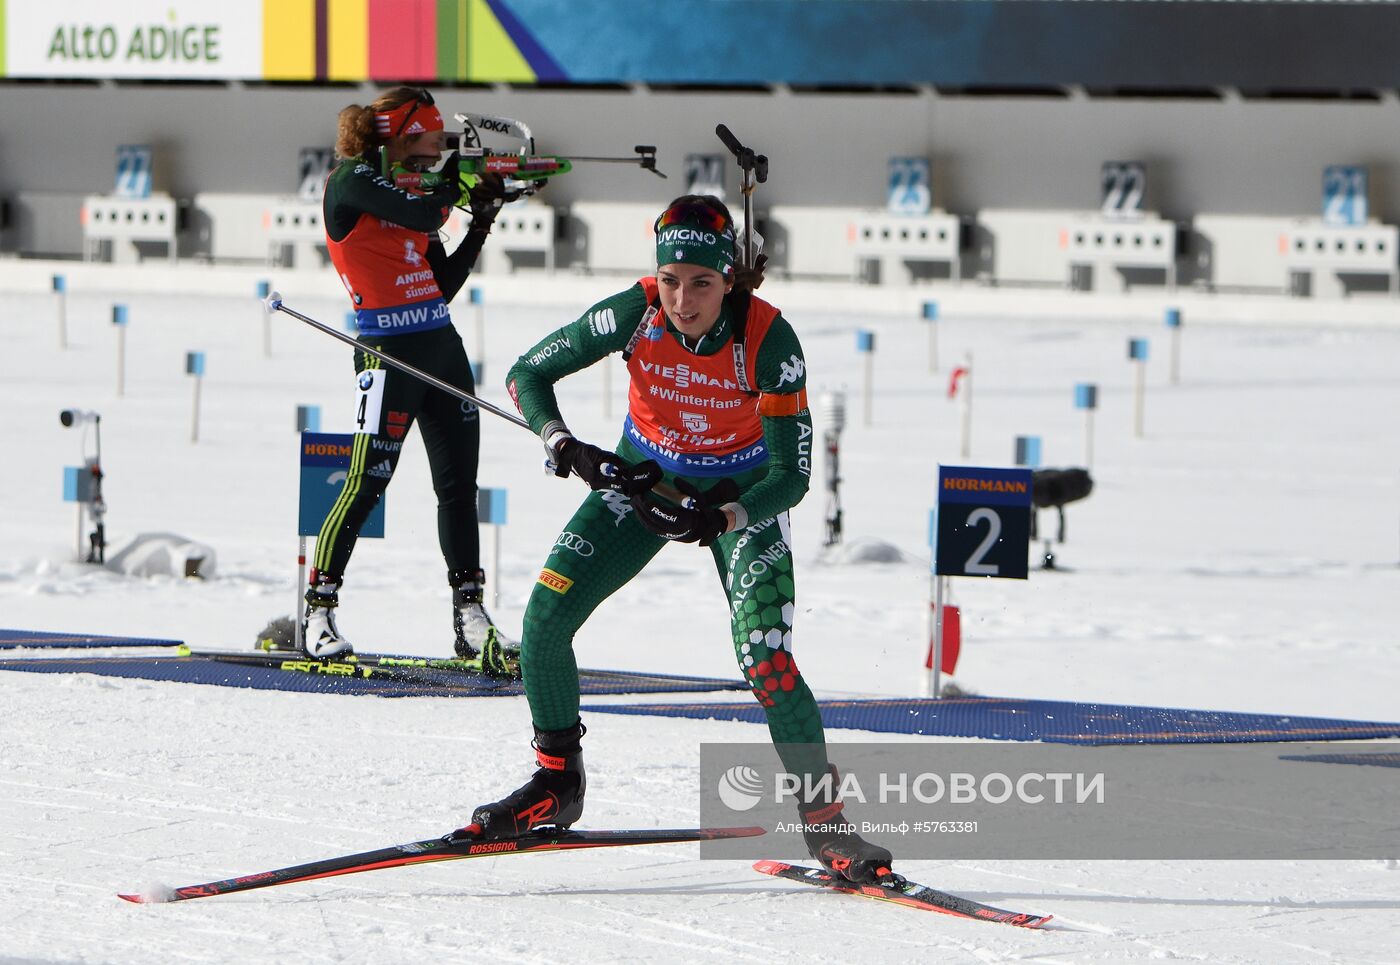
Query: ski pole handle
661,489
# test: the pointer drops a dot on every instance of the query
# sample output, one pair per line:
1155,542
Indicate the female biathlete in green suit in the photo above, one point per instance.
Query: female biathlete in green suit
717,407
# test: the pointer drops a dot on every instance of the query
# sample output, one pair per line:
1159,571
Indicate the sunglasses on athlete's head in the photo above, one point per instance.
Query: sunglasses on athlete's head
693,213
421,98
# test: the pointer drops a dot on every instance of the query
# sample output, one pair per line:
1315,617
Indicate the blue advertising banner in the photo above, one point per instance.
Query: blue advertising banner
325,465
1263,45
962,43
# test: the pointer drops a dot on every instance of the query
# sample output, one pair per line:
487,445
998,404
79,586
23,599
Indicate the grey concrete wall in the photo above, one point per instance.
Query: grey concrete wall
1223,157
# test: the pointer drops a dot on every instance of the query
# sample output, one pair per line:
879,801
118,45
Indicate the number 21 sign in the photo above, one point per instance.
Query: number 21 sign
984,522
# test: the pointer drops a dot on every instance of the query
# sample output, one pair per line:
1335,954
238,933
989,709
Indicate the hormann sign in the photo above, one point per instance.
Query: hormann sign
134,38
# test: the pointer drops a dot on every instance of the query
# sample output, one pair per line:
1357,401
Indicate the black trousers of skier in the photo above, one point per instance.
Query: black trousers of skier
388,403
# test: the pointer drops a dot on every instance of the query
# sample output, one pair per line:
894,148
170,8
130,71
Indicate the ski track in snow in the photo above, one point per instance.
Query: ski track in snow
1240,557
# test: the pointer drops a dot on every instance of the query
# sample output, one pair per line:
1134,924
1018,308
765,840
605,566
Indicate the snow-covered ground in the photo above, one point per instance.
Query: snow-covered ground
1242,555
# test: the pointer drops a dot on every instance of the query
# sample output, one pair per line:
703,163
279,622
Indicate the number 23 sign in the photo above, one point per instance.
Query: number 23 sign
984,522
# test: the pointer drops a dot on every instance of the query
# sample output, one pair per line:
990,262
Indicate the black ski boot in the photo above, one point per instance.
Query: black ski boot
552,797
833,841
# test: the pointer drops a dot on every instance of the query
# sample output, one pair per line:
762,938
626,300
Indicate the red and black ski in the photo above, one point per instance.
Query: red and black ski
902,892
447,848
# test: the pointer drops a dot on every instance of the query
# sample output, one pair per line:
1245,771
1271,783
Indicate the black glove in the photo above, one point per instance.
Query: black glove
604,470
700,522
485,198
748,279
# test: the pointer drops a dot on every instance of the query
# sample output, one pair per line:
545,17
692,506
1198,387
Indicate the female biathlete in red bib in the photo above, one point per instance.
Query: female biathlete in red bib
382,237
717,407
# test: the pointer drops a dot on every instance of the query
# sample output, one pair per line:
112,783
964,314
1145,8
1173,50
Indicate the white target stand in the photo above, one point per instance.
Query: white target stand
294,226
1321,252
525,227
895,239
1107,245
114,226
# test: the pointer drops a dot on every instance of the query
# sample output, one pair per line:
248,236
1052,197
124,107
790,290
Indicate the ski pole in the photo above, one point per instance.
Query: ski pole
274,303
754,169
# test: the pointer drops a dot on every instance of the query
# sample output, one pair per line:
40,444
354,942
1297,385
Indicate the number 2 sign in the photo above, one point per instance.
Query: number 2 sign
984,522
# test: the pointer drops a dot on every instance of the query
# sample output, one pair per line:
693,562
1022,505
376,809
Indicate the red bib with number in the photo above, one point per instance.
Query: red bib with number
696,412
385,269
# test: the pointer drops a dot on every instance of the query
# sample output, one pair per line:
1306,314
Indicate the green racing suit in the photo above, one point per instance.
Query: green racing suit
603,546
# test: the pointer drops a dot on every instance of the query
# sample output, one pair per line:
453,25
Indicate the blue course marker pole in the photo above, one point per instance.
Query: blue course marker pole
77,482
119,319
865,345
78,488
1028,451
60,289
491,509
194,365
264,289
1173,323
479,318
931,317
308,418
1086,397
1137,353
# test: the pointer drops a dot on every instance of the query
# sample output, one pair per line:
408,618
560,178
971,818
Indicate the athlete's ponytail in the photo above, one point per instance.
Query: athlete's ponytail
357,131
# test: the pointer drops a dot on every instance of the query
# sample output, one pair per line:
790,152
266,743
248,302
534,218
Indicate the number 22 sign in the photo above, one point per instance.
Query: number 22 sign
984,522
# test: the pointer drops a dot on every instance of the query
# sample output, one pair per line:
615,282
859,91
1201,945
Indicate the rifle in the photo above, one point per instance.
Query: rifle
754,170
524,170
